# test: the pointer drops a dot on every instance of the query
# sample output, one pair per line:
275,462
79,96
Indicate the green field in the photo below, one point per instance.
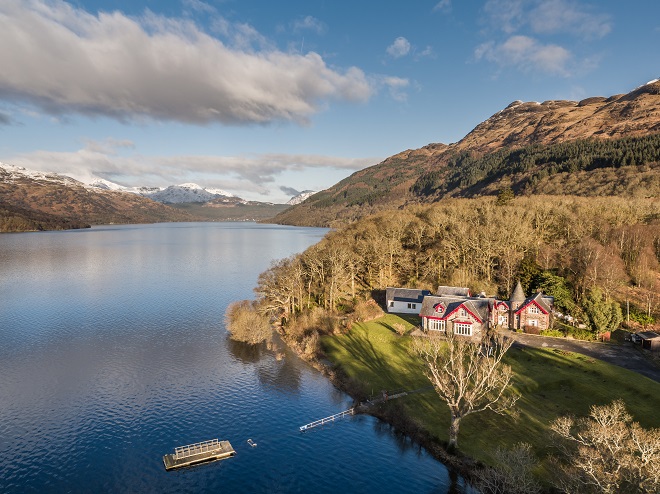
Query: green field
551,384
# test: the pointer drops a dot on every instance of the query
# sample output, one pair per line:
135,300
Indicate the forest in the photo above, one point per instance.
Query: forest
582,251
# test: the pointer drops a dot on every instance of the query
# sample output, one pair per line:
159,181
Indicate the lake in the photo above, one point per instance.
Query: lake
113,351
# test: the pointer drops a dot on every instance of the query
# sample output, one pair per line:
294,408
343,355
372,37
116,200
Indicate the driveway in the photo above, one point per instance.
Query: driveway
628,355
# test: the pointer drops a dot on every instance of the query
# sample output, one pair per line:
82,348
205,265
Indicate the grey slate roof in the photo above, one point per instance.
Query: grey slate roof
478,306
406,294
452,291
544,302
518,294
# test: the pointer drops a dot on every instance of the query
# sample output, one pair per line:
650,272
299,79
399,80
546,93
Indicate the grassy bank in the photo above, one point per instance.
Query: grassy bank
552,383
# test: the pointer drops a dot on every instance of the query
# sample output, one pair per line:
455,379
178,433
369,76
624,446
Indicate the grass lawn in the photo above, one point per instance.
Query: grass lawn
551,383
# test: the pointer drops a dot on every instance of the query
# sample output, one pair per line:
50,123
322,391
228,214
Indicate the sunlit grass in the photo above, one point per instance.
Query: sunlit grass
551,383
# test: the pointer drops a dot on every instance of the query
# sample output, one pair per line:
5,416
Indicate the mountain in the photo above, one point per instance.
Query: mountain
32,200
174,194
599,146
300,197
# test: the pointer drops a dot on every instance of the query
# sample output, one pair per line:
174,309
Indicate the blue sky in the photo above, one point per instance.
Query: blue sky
265,98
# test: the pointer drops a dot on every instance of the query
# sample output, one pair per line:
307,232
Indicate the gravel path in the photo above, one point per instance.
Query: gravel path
629,356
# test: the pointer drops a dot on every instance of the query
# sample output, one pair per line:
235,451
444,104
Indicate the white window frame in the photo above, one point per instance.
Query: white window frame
533,309
436,325
533,322
463,329
503,319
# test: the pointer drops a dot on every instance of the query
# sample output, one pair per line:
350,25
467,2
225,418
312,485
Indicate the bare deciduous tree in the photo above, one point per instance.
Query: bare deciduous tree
470,377
607,452
512,474
245,323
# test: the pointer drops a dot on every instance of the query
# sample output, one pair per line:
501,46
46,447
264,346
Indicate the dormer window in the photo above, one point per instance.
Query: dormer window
439,308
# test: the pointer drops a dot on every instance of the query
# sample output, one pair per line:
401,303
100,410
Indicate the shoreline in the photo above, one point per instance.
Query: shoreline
459,464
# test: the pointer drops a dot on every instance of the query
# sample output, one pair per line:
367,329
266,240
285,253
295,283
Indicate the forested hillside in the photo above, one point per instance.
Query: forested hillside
571,248
595,147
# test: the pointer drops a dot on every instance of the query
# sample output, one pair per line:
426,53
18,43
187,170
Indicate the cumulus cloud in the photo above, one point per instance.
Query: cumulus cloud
399,48
527,54
237,174
527,23
65,60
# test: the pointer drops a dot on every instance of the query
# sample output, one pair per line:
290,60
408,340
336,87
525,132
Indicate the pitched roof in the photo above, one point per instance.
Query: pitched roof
406,294
538,299
518,294
477,306
452,291
648,335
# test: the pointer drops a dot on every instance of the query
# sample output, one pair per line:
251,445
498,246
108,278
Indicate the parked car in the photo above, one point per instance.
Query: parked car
635,338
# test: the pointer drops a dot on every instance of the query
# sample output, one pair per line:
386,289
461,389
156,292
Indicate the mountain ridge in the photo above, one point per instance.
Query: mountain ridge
520,130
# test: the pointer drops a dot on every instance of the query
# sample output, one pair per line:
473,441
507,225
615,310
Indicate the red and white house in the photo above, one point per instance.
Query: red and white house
458,315
471,316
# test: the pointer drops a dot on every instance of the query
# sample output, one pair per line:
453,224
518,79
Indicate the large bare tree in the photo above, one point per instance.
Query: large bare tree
607,452
469,376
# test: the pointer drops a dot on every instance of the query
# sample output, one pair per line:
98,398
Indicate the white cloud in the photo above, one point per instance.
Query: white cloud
199,6
526,54
238,174
561,16
65,60
547,17
397,87
527,24
443,6
506,15
309,23
399,48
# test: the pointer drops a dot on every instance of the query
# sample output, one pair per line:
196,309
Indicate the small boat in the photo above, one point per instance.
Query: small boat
252,443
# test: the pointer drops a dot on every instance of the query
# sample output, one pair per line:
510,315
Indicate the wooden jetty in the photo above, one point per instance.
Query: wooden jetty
193,454
326,420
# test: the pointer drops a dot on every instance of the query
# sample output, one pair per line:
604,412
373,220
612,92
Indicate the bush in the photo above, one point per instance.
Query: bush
579,333
532,330
552,332
245,323
400,328
367,310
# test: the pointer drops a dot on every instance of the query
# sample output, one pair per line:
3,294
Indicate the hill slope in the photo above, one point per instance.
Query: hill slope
597,146
47,201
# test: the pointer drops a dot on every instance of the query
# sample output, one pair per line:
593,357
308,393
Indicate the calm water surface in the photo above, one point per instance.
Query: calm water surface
113,351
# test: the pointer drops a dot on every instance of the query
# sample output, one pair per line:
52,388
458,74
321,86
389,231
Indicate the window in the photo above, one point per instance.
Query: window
436,325
391,303
463,329
463,313
533,309
411,306
502,320
533,322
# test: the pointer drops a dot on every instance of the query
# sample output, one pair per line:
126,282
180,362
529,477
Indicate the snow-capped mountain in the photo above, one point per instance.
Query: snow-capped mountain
10,173
300,197
174,194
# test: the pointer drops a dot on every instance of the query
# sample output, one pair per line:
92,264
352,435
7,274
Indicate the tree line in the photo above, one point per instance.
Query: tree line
536,162
587,253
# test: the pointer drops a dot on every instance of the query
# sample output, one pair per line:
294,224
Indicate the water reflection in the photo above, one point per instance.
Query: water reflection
275,364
